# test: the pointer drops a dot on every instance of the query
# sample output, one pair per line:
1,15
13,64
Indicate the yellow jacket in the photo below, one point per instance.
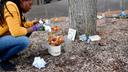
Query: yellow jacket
13,25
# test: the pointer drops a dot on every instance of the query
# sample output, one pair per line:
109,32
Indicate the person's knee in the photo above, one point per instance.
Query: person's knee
24,41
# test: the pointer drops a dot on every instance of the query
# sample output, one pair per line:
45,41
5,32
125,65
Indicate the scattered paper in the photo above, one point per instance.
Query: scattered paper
40,21
95,38
47,21
99,17
71,34
83,37
88,40
123,14
39,62
47,28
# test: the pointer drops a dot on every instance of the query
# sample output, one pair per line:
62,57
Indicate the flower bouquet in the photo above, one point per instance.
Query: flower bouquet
55,39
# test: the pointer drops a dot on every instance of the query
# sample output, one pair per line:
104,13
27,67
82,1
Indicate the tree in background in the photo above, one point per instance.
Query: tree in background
82,14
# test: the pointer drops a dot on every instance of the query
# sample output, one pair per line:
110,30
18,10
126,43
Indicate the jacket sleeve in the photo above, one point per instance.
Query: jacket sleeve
28,24
13,21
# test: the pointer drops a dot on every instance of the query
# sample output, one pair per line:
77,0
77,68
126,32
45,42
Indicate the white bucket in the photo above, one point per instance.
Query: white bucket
54,50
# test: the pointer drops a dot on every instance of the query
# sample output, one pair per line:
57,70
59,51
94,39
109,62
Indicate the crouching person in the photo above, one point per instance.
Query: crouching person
14,30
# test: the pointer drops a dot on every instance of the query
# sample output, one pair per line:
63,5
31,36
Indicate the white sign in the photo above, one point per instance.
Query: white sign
71,34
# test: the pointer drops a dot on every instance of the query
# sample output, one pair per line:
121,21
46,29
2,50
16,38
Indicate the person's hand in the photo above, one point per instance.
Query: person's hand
38,27
41,27
35,21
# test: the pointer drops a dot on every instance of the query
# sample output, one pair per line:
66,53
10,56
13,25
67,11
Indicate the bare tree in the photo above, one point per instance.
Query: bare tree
82,14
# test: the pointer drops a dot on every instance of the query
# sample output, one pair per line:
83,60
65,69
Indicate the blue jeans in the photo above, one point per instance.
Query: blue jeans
10,46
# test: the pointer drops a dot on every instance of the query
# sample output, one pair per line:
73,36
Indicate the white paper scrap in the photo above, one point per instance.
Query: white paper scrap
47,28
99,17
83,37
71,34
39,62
47,21
95,38
40,21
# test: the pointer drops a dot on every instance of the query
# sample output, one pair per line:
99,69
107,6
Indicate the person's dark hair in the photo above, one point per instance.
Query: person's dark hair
3,4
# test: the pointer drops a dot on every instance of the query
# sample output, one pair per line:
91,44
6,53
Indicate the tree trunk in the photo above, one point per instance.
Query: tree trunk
82,14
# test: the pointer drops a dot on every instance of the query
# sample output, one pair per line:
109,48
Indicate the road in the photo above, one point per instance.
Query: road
60,8
54,9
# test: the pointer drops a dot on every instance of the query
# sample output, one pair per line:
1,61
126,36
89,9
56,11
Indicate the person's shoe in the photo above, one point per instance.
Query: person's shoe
8,66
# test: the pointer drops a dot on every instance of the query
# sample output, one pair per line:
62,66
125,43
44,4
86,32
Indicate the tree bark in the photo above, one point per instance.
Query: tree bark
82,14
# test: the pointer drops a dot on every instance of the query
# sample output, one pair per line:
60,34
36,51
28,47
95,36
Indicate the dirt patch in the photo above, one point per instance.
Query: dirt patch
85,57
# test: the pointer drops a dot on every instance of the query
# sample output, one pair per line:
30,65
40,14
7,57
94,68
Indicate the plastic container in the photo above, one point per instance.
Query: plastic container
54,50
67,44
